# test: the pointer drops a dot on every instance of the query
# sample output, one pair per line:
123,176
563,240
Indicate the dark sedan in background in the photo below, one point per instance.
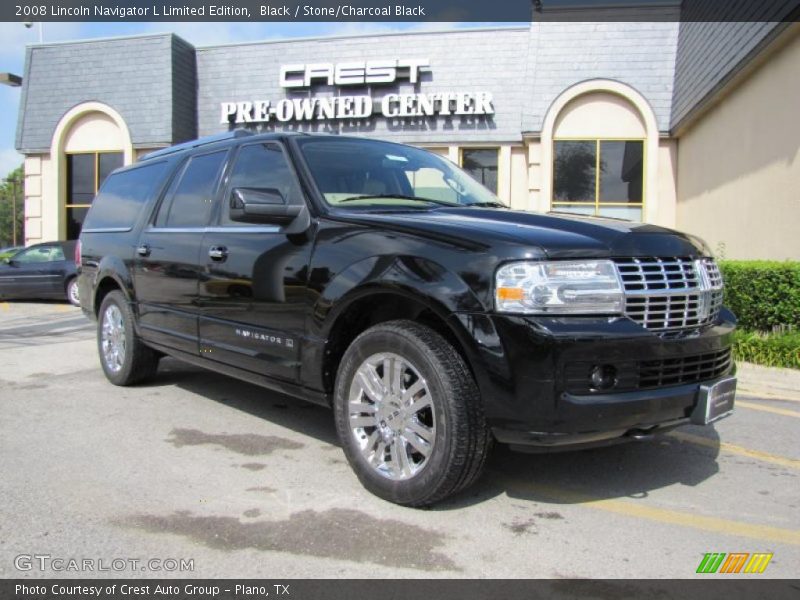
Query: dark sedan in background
41,271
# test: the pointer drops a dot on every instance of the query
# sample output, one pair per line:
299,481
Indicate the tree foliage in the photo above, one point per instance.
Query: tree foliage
13,183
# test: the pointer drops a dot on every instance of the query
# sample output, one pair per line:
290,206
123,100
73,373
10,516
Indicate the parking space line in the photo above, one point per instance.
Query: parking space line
734,449
766,533
769,409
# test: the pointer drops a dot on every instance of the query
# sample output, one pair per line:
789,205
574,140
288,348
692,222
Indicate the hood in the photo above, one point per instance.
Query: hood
554,236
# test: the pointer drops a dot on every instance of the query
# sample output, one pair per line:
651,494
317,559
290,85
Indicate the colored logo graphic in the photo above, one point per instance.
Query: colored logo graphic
734,562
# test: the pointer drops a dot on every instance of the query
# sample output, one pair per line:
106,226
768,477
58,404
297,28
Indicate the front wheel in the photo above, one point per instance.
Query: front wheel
123,356
409,414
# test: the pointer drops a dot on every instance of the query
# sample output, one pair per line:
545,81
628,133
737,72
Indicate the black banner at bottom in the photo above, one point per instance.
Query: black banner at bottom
408,589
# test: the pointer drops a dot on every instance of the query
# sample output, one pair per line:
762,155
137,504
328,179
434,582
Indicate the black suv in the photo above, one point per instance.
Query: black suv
383,281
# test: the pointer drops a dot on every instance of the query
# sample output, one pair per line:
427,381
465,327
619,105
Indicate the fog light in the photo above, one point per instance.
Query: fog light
604,377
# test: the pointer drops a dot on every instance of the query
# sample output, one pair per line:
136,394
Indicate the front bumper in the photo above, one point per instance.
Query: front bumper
631,416
533,376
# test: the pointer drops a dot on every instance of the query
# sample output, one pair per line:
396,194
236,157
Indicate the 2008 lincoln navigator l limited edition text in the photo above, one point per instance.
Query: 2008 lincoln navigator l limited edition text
382,280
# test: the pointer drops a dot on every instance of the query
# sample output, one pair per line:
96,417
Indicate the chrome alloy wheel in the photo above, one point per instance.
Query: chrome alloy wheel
72,292
391,416
112,338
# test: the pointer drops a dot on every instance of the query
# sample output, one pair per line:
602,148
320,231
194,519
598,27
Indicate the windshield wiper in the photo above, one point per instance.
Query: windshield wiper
397,196
488,204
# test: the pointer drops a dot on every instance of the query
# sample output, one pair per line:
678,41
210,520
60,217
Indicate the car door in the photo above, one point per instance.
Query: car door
167,260
32,273
252,289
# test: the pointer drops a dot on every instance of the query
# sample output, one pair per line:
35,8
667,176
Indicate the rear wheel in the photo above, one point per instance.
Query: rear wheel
409,415
123,356
72,292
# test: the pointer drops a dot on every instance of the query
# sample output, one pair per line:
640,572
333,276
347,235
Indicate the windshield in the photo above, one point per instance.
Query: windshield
373,173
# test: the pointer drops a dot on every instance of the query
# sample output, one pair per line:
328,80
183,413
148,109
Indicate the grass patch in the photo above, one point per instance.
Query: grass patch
768,349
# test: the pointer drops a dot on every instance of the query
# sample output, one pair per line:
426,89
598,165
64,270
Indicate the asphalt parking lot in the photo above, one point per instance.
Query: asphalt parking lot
249,483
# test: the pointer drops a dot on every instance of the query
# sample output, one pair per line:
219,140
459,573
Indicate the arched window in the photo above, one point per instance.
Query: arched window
92,150
598,158
90,141
600,146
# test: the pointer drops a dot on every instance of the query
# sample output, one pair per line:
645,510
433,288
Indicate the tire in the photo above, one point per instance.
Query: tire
72,292
123,356
429,403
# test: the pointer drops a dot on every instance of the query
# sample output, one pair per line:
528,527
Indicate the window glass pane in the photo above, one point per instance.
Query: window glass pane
443,152
166,202
481,163
107,162
35,255
621,171
574,171
263,166
347,168
75,217
430,183
80,178
575,209
191,202
631,213
122,196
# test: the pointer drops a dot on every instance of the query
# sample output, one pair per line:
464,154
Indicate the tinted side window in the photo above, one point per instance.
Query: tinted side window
39,254
262,166
122,197
189,201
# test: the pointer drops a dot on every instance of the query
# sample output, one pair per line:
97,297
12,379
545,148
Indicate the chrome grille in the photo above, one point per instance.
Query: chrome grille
666,312
714,275
653,274
671,295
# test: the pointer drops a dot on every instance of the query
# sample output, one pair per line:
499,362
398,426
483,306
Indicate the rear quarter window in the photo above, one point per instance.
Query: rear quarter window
122,197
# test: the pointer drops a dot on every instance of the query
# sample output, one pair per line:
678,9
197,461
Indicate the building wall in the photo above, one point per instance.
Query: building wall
160,90
481,60
128,94
34,181
560,55
86,128
183,94
134,76
709,53
549,80
739,165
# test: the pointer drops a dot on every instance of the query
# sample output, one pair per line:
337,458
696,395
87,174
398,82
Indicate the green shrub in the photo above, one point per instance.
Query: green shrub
769,349
764,295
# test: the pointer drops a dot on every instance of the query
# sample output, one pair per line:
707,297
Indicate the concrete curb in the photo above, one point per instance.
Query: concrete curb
772,380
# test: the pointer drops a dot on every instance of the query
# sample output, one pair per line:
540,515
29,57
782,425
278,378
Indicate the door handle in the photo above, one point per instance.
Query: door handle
143,250
218,253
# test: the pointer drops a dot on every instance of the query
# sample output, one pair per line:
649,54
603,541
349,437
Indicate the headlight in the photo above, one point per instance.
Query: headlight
559,287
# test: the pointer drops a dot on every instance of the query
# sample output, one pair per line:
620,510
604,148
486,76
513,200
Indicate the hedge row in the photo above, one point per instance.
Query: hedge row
764,295
771,350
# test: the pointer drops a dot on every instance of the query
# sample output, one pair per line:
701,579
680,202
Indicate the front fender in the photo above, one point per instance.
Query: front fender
419,278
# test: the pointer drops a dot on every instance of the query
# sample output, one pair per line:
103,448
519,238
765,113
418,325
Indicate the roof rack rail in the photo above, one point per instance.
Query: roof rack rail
210,139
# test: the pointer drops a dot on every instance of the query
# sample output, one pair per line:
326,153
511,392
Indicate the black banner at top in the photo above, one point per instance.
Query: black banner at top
400,10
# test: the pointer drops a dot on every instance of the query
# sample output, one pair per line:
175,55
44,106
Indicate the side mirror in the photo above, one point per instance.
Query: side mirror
10,262
261,205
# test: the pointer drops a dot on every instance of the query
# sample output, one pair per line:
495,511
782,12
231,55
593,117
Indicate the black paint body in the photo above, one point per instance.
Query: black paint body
272,311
